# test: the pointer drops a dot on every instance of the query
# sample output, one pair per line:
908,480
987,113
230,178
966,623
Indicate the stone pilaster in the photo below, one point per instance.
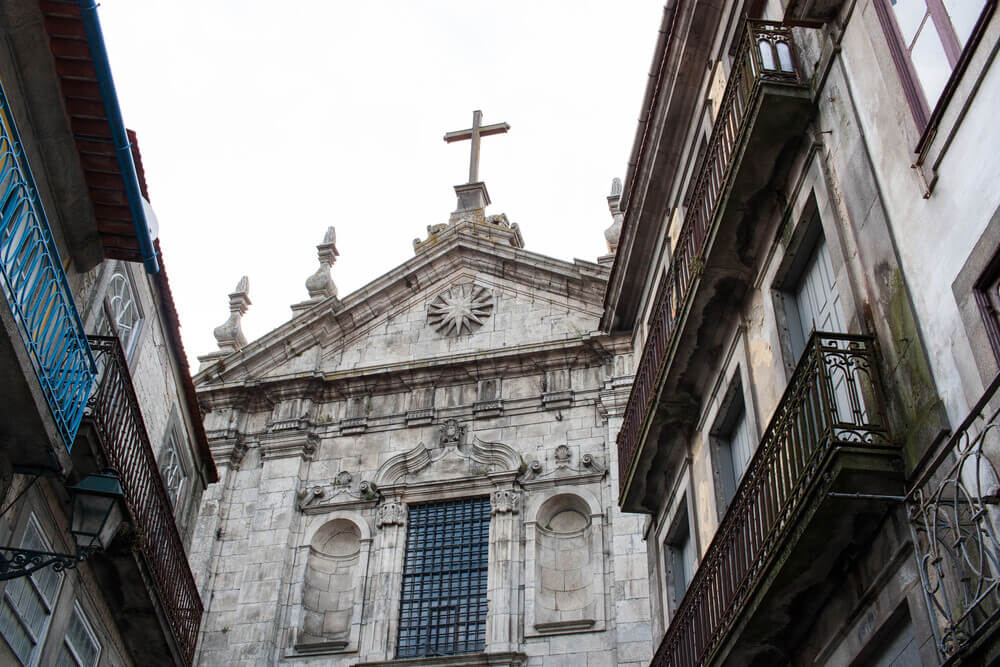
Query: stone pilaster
504,618
381,627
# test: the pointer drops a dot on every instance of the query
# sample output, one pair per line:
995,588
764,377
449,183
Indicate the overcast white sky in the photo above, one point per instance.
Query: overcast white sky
262,123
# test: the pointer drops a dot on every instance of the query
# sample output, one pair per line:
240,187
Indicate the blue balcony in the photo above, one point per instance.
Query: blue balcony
40,305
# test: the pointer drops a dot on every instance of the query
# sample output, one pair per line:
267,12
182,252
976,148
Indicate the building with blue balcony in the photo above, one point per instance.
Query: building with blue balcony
95,383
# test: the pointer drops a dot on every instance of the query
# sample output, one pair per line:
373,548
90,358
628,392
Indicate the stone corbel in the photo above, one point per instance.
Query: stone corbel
288,444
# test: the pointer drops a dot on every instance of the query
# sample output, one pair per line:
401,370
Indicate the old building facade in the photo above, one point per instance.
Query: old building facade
92,369
807,272
421,470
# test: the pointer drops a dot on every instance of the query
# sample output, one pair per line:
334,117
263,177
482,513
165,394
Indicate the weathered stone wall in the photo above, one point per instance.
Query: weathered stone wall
523,410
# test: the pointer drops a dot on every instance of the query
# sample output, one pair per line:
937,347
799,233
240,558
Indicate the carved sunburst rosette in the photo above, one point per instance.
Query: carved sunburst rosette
460,309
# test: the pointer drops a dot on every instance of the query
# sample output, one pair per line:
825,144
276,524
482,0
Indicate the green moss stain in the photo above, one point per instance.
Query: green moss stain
919,414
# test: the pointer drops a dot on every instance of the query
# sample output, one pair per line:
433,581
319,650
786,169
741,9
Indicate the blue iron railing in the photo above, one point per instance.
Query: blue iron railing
35,286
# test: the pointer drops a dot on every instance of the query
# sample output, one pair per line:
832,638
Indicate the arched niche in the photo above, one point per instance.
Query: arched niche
332,586
565,573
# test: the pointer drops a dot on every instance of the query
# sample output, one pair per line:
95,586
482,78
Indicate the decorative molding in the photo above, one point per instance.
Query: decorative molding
591,469
339,494
463,460
505,501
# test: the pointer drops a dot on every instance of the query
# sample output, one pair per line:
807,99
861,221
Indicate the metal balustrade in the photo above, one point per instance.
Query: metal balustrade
833,401
34,284
953,516
114,409
766,54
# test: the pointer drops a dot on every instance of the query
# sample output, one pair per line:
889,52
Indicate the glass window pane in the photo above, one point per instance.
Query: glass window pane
963,15
124,311
931,63
66,659
85,649
17,637
909,15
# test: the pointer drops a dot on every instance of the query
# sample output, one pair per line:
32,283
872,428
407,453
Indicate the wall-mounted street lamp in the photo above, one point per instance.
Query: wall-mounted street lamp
95,516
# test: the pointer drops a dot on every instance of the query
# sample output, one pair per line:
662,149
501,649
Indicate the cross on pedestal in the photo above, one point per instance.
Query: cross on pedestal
474,133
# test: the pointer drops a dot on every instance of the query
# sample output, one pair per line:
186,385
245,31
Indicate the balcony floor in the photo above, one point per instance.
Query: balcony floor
828,532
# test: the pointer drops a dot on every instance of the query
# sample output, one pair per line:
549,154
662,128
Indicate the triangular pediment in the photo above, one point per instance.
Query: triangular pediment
466,298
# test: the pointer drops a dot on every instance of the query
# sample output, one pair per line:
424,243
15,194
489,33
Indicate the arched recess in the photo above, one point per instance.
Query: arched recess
564,577
333,585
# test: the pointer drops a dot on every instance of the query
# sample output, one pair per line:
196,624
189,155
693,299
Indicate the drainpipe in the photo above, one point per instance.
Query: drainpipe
123,147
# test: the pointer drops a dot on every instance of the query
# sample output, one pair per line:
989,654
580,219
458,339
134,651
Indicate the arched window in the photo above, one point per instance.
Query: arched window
122,315
172,470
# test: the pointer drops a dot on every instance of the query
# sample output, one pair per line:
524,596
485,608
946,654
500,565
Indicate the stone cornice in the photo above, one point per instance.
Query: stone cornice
529,359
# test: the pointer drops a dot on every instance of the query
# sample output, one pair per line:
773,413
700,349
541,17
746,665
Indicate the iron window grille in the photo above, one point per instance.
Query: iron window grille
443,605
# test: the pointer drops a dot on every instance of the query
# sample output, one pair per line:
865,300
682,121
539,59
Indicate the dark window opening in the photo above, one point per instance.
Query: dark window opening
443,605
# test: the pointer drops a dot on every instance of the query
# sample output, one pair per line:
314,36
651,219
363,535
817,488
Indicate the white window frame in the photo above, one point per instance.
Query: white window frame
89,630
112,312
50,605
173,444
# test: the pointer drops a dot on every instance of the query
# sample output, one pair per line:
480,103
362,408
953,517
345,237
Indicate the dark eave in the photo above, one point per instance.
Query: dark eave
91,129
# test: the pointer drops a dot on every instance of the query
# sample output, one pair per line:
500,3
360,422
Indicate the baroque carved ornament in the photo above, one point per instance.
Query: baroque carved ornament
505,501
460,309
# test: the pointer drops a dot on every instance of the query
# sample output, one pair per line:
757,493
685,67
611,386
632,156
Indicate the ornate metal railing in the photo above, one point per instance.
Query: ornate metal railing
834,401
114,409
953,510
34,284
766,54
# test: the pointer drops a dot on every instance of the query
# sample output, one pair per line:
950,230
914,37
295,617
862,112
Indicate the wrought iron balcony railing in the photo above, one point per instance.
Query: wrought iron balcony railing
833,402
953,510
122,433
34,284
766,55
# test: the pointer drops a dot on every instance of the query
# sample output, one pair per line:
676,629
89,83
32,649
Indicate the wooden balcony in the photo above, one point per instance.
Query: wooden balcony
814,490
146,576
764,109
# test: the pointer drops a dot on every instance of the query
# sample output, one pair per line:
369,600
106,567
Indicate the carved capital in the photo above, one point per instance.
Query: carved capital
390,513
505,501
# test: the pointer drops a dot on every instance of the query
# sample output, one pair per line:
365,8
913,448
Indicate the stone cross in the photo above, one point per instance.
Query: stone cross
474,133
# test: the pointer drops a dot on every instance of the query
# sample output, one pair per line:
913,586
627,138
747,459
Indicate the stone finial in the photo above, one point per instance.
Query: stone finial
320,284
230,333
612,233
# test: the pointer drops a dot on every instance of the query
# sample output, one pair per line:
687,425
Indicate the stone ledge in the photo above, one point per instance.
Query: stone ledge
467,660
321,648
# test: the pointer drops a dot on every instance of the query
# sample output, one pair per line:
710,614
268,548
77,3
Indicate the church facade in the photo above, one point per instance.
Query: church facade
422,471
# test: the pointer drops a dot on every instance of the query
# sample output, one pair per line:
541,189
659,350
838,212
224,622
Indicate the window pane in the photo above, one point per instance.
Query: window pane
931,63
121,301
909,15
964,14
66,659
79,639
18,639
